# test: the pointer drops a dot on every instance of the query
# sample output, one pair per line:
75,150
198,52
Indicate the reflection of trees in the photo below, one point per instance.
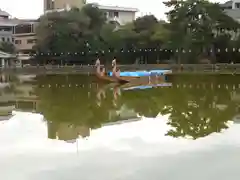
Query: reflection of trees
76,105
193,111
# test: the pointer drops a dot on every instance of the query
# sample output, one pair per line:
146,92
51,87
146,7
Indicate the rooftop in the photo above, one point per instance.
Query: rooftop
4,13
14,22
117,8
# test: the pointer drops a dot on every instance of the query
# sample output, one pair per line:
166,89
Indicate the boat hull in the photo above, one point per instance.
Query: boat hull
106,78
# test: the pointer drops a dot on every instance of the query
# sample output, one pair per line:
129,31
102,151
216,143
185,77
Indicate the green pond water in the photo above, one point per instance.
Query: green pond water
198,105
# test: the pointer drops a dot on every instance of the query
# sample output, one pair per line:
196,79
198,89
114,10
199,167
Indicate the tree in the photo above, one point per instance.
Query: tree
74,28
7,47
194,25
58,29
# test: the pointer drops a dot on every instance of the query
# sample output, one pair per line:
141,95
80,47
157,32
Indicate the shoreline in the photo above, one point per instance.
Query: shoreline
176,69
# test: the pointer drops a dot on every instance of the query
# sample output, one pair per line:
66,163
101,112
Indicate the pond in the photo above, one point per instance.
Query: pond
67,126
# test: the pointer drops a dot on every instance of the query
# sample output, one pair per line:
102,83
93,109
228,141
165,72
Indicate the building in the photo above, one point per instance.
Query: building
50,5
232,9
19,32
24,35
6,27
121,15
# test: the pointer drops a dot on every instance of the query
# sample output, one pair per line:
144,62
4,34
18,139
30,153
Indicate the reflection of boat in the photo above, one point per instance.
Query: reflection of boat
146,83
4,85
147,86
26,77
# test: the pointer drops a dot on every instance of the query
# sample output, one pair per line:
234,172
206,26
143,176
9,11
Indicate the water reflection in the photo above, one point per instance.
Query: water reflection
74,105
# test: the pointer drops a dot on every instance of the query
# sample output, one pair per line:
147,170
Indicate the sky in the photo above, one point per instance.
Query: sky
31,9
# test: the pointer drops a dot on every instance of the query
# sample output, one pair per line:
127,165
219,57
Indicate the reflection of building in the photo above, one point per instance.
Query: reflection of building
236,119
6,110
22,97
51,5
66,132
122,113
122,122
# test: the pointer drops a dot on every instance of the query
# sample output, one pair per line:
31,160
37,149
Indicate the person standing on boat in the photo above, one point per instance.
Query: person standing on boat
99,71
116,71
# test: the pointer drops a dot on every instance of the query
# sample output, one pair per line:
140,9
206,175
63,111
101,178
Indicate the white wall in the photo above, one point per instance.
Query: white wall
123,17
233,4
126,17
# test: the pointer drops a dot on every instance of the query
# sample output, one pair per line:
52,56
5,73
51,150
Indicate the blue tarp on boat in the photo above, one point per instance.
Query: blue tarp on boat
140,73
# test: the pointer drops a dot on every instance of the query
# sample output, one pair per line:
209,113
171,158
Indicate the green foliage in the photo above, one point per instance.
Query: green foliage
7,47
195,25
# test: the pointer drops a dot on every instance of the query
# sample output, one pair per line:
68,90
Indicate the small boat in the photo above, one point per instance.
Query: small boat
29,77
129,75
4,85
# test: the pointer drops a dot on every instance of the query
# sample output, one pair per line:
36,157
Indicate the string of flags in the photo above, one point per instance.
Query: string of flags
198,86
132,51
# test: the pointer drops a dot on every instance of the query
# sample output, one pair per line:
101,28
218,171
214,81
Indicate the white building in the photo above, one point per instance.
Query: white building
121,15
232,9
6,27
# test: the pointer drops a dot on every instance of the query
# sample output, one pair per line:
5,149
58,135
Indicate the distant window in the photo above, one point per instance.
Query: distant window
31,41
3,39
116,14
237,5
8,39
18,42
12,39
23,28
113,14
49,4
